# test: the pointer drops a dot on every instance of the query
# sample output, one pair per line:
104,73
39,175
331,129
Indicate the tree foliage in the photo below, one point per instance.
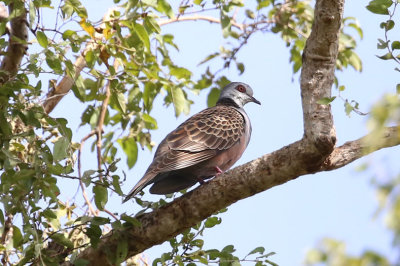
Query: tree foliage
116,68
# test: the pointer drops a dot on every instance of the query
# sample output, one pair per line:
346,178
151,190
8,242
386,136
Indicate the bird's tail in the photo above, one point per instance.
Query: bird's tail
146,180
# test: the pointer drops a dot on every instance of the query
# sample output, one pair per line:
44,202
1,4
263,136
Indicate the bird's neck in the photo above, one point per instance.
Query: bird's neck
228,102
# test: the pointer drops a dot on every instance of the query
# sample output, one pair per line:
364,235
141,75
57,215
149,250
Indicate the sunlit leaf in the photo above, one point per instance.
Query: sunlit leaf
130,148
60,150
42,39
100,196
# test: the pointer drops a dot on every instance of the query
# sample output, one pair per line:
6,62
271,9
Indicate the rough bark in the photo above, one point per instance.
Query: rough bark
17,41
315,152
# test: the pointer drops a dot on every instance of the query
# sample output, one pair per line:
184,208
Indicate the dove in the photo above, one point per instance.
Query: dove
204,146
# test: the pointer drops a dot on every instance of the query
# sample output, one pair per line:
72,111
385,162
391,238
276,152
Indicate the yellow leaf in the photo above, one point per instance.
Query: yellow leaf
86,26
107,33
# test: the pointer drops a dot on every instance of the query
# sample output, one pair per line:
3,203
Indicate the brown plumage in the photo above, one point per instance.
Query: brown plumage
206,144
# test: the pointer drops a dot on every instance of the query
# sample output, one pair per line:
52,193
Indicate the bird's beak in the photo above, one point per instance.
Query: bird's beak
254,100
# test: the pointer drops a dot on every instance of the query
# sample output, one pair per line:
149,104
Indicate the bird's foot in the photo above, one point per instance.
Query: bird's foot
219,171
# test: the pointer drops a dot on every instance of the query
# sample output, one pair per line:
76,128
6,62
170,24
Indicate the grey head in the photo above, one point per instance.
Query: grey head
238,92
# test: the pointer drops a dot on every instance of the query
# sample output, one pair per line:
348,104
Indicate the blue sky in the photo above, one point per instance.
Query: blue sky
290,218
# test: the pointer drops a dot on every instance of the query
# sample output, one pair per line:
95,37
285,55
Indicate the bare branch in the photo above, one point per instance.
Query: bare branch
91,210
199,17
66,83
353,150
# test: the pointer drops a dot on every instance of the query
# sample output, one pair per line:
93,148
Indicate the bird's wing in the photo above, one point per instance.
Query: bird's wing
218,128
197,139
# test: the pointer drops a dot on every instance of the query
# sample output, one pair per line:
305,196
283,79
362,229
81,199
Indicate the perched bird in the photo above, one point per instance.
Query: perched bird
205,145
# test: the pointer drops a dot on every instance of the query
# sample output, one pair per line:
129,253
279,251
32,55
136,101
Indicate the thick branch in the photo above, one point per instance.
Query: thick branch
17,43
241,182
66,83
317,75
353,150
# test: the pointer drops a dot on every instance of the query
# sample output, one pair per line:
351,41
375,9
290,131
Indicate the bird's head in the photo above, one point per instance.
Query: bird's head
238,92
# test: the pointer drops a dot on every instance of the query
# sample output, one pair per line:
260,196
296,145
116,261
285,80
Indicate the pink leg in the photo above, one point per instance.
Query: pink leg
219,171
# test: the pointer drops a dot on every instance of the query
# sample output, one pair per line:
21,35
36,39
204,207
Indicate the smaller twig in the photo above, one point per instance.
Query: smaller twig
88,203
100,122
111,214
198,17
93,132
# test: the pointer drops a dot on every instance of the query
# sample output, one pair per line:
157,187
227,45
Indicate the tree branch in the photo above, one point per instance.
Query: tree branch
353,150
199,17
17,42
302,157
66,83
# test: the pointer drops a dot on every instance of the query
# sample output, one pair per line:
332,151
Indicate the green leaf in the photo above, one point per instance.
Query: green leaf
213,97
379,6
100,196
240,67
131,220
49,214
122,251
165,8
357,27
151,24
250,14
94,233
115,183
181,104
355,61
129,146
119,100
42,39
208,58
228,249
212,221
142,34
180,72
395,45
60,149
382,44
386,56
32,13
398,88
90,58
260,250
225,24
100,220
348,108
389,25
151,123
17,237
1,217
62,240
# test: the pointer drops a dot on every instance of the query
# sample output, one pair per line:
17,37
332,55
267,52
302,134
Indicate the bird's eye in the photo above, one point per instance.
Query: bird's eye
241,88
